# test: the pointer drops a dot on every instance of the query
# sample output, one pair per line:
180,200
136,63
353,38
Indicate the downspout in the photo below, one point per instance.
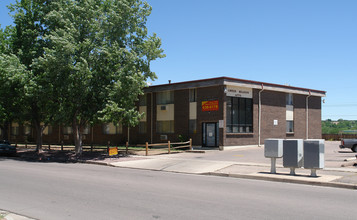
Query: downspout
260,114
307,115
152,112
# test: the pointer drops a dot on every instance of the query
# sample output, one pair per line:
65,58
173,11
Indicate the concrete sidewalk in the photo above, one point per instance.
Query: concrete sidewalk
332,177
5,215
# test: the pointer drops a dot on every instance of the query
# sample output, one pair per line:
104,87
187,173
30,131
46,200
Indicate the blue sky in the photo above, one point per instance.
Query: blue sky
303,43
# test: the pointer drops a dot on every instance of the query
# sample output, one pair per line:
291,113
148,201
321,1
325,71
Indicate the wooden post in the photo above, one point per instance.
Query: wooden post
169,145
191,144
49,146
126,146
91,147
147,148
108,146
61,145
25,144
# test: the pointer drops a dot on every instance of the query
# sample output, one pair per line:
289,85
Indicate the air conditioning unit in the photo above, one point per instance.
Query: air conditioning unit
163,108
163,137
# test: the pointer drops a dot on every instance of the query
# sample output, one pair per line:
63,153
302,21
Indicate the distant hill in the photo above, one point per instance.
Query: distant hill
334,127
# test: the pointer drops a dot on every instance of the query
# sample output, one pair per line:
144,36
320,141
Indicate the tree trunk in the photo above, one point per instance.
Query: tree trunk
77,137
39,132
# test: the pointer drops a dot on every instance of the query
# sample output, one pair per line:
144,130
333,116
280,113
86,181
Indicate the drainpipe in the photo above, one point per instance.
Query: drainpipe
152,113
260,114
307,115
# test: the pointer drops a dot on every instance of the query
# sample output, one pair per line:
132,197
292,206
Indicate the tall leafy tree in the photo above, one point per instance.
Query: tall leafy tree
98,59
27,43
13,77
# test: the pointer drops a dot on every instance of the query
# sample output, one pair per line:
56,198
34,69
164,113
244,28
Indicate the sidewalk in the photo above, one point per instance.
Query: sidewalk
5,215
345,177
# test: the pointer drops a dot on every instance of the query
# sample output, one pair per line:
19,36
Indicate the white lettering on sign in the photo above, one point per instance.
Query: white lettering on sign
234,91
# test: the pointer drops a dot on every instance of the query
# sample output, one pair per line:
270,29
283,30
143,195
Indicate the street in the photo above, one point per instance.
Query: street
84,191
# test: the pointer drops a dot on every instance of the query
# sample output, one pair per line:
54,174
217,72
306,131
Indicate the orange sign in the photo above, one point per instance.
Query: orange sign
113,151
210,106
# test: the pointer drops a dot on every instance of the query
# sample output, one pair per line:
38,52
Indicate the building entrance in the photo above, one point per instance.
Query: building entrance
210,134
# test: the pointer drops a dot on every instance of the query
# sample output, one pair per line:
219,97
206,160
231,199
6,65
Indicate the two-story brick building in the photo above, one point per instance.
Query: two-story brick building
214,112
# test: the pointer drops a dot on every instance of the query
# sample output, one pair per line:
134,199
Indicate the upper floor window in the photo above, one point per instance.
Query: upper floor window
166,97
193,95
143,100
289,99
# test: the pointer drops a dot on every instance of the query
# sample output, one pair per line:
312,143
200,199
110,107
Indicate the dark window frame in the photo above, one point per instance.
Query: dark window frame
240,115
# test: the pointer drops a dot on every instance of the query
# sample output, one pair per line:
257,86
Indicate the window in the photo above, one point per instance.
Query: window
289,99
142,127
47,130
166,97
110,128
86,129
193,95
67,130
14,129
27,130
165,127
143,100
239,115
289,126
192,126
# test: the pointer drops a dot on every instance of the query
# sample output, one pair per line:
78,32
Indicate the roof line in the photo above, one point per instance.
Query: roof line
241,80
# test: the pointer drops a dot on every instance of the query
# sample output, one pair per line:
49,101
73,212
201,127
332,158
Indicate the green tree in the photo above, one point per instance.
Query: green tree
27,43
98,59
13,77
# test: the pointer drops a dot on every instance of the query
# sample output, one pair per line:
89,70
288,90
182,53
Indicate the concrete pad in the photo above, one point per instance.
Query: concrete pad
149,164
172,165
198,167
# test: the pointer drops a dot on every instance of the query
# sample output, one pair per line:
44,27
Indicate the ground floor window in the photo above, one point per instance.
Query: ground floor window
192,126
27,130
67,130
239,115
142,127
165,127
289,126
110,128
14,129
47,130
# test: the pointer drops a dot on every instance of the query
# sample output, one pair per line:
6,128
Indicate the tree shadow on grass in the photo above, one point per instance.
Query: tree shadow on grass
58,156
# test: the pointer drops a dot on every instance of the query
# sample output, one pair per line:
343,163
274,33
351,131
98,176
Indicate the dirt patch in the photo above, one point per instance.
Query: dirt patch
70,157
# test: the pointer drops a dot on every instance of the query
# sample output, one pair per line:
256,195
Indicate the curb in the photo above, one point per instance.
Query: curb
313,183
245,176
196,151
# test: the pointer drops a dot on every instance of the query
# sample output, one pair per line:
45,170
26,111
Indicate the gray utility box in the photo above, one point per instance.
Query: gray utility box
293,153
273,148
314,151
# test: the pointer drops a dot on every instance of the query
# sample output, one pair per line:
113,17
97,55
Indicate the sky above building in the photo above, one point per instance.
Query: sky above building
301,43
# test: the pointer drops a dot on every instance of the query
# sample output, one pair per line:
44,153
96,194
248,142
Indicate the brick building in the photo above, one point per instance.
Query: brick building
213,112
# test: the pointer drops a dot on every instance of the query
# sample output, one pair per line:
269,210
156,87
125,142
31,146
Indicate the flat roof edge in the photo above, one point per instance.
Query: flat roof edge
234,81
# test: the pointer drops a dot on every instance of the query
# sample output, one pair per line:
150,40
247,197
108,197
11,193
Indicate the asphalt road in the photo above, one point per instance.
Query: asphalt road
83,191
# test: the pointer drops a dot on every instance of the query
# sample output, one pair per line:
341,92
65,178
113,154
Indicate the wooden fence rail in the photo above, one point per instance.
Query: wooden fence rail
62,147
168,144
